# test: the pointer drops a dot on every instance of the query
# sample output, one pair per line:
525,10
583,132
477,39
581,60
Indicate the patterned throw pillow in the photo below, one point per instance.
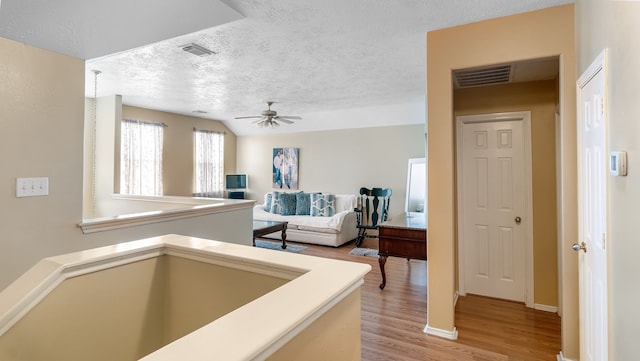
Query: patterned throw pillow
267,204
323,205
303,204
275,203
288,204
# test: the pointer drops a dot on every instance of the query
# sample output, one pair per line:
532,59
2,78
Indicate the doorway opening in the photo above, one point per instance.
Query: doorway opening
525,86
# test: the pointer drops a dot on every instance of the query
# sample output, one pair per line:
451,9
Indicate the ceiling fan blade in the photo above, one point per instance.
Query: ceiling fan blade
270,118
285,120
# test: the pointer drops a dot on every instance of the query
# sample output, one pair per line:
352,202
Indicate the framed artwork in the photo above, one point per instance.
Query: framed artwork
285,168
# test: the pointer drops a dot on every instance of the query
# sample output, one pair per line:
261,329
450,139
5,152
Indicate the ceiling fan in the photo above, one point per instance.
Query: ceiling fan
270,118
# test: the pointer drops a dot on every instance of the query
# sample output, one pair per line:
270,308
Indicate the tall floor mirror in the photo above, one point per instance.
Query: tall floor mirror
416,185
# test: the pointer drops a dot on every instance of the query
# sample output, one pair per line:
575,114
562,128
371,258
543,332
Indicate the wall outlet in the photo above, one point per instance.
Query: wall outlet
32,187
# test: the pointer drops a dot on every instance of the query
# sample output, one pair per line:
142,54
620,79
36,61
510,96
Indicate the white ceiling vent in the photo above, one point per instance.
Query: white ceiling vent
484,76
196,49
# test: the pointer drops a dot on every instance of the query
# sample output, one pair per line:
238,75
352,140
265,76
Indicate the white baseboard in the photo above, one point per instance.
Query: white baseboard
455,298
450,335
561,357
546,308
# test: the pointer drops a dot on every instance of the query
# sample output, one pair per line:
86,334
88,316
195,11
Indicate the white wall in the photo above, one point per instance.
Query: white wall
339,161
615,25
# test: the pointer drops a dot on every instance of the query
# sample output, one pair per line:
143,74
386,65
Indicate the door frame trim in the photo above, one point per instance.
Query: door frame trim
525,117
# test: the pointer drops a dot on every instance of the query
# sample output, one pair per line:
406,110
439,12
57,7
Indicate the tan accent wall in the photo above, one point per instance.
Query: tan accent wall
538,34
615,25
540,98
41,112
333,336
339,161
126,312
178,146
198,293
85,317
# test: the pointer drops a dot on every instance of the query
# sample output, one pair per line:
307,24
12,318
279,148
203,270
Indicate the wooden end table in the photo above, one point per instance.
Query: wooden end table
261,228
404,236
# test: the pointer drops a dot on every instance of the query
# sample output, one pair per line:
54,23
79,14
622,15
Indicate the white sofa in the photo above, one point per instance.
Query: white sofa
331,231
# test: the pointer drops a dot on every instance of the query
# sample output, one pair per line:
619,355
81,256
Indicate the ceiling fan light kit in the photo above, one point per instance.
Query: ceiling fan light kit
270,118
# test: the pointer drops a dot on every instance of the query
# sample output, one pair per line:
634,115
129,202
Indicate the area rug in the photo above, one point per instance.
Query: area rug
278,246
364,252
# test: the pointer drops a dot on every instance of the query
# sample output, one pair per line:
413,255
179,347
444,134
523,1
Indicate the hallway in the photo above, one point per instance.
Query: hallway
488,329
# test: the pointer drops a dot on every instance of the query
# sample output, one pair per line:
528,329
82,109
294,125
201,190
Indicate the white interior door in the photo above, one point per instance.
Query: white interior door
592,191
493,206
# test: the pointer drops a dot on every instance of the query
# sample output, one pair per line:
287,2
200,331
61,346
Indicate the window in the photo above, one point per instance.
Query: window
141,157
208,163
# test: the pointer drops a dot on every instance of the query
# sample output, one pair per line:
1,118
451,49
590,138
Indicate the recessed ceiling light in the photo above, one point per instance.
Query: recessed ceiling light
196,49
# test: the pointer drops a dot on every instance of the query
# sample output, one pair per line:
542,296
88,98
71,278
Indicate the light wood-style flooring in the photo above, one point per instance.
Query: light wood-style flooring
393,319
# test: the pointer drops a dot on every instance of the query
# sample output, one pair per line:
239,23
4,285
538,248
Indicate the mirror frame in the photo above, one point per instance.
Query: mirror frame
411,168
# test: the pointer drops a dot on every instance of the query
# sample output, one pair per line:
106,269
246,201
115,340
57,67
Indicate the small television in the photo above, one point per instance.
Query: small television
236,181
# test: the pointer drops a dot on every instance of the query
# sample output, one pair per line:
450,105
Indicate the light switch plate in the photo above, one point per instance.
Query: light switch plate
32,187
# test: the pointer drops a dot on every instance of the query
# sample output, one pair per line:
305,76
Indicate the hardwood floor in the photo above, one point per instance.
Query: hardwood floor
488,329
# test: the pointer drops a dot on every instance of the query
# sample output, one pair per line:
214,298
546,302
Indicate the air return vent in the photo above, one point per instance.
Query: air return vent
485,76
196,49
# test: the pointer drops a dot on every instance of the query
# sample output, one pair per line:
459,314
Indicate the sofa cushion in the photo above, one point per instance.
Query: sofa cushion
288,204
323,205
275,203
335,222
267,202
303,204
346,202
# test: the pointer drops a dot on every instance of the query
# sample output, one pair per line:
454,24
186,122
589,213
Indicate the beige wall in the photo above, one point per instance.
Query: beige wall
541,99
139,307
177,154
615,25
42,116
178,146
339,161
193,296
177,166
333,336
41,113
88,315
545,33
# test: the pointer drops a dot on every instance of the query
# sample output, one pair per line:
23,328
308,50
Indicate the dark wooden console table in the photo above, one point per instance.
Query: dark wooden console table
403,236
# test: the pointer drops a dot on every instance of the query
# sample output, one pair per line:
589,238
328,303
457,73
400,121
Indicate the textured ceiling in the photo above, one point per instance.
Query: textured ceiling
315,59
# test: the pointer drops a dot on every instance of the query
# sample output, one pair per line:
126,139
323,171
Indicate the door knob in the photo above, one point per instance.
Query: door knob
518,220
579,247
